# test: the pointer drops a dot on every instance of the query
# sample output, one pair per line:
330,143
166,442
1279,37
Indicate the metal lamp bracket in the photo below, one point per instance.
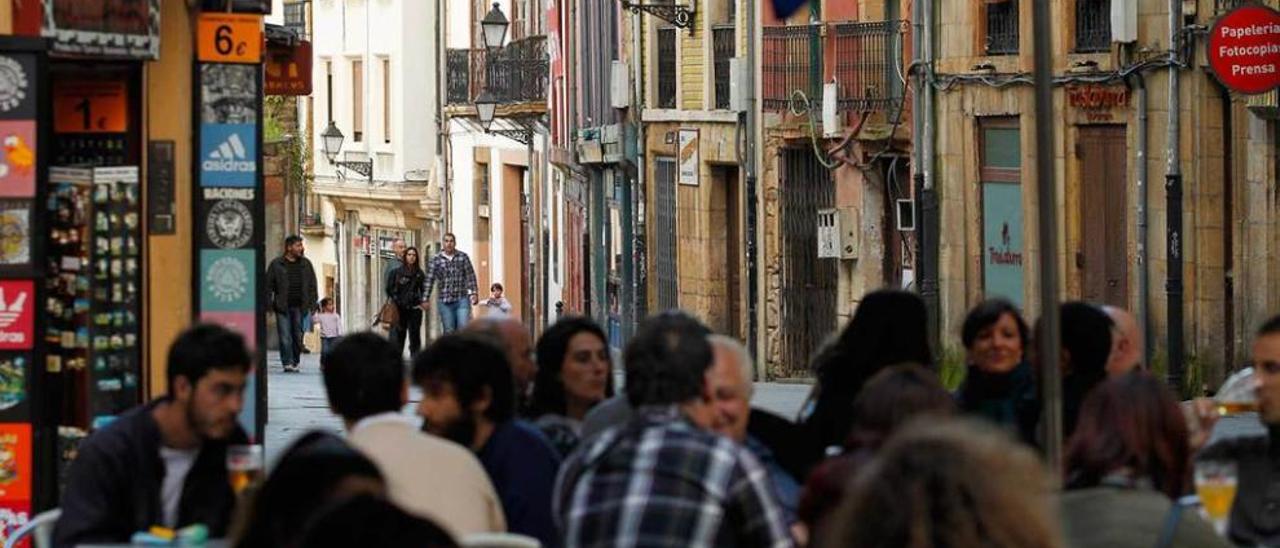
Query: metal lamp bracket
669,11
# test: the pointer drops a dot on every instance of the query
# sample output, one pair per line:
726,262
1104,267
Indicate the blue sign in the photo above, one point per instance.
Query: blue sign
1002,250
228,280
229,155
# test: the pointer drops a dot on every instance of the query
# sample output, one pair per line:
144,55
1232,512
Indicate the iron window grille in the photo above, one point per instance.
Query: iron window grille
724,47
667,67
1093,26
1002,28
792,62
295,17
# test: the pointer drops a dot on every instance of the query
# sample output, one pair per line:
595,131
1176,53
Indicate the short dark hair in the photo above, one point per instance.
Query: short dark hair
292,239
325,301
667,360
1271,327
496,287
363,376
548,387
449,235
203,347
469,362
1086,335
986,314
372,521
891,399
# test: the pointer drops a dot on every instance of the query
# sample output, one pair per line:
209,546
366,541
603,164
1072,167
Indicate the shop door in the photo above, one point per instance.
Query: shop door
1103,255
808,283
724,263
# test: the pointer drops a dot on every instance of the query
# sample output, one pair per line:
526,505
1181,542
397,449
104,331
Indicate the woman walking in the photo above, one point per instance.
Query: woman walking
405,288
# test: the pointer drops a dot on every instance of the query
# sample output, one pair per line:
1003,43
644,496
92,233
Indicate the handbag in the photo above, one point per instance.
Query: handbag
388,317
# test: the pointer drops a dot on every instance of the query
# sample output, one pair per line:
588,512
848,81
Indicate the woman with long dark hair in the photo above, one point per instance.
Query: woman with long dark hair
999,385
888,328
1126,465
405,287
575,372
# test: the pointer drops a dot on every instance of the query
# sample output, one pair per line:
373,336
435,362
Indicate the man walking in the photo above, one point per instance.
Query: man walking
457,277
291,290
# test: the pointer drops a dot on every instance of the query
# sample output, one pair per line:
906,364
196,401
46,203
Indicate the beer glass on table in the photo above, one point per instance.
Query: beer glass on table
244,466
1216,487
1238,394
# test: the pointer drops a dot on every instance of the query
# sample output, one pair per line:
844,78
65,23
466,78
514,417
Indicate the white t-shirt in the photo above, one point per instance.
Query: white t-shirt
177,464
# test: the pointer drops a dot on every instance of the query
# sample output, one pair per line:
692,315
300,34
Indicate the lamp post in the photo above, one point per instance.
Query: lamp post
331,141
494,26
486,108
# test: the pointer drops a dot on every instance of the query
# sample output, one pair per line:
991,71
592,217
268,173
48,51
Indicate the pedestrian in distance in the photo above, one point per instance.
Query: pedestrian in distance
164,463
999,385
453,270
291,290
496,302
405,287
330,324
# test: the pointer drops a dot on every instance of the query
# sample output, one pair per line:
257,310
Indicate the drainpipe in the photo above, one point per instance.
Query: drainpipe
630,319
752,196
1173,196
1144,268
930,216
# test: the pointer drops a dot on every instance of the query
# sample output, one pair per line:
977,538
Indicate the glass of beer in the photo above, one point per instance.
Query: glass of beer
1238,394
1216,487
244,466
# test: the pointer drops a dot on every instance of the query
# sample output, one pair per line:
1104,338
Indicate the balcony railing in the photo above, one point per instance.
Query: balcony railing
517,73
1093,26
868,64
792,61
295,17
1002,28
723,45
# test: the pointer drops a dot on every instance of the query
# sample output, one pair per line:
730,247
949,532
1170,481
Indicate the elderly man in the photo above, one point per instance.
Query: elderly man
731,388
514,339
1126,342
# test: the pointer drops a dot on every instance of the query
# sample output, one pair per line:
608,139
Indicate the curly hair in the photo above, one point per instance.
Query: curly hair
948,484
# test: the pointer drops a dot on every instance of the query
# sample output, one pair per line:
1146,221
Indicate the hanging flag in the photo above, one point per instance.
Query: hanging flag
784,8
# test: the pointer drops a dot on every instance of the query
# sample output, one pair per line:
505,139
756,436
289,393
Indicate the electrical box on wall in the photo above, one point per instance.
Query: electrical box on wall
828,234
906,215
830,118
849,242
620,85
737,84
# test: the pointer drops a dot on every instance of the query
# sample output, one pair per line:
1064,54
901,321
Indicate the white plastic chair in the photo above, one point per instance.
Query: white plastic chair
499,540
40,529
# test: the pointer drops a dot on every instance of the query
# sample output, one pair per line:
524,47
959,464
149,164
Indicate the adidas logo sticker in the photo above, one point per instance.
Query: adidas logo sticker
230,157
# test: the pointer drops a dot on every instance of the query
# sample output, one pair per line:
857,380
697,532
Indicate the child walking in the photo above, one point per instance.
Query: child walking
330,325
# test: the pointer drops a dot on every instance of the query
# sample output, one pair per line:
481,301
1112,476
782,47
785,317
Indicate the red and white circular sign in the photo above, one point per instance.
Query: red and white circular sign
1244,49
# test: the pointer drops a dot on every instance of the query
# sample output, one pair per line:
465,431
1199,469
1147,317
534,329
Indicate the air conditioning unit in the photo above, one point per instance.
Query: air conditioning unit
828,234
620,85
738,84
1124,21
830,119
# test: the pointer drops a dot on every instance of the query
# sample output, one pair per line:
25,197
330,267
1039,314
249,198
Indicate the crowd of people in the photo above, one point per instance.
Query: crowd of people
533,438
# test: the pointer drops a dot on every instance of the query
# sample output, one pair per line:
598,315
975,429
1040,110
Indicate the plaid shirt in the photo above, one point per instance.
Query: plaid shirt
661,482
457,277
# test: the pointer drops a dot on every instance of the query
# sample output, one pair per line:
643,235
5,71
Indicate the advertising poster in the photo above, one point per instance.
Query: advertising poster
1002,257
228,280
17,158
17,314
227,218
228,125
13,380
690,158
18,87
15,232
15,463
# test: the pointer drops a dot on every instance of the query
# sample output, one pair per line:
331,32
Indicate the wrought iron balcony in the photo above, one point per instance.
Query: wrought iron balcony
1093,26
869,64
792,62
516,74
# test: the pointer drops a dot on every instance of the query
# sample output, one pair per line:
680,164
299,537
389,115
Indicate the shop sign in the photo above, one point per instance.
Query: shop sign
90,107
1244,49
229,38
1002,257
108,28
690,158
1097,102
229,155
228,279
288,70
17,315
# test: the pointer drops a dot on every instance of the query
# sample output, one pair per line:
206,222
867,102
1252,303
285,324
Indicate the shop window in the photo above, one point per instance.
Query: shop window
1002,27
1093,26
386,100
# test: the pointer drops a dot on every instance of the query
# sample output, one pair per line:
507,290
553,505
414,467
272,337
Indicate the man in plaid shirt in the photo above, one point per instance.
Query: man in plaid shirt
452,268
664,480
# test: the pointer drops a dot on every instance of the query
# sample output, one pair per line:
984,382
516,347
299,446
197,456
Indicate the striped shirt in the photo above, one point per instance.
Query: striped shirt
661,482
456,275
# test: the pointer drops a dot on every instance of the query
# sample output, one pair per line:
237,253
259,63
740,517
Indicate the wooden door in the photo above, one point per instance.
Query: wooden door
1103,256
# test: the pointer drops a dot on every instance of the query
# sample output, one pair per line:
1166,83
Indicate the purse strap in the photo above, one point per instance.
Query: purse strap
1170,525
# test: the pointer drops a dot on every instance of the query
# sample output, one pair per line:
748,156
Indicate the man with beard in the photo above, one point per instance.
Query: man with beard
164,463
291,290
468,396
1255,516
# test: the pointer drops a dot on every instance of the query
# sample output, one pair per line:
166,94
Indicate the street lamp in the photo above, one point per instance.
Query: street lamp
331,141
486,108
494,25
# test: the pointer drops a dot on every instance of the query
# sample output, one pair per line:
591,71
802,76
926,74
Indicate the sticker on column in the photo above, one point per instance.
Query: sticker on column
228,278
